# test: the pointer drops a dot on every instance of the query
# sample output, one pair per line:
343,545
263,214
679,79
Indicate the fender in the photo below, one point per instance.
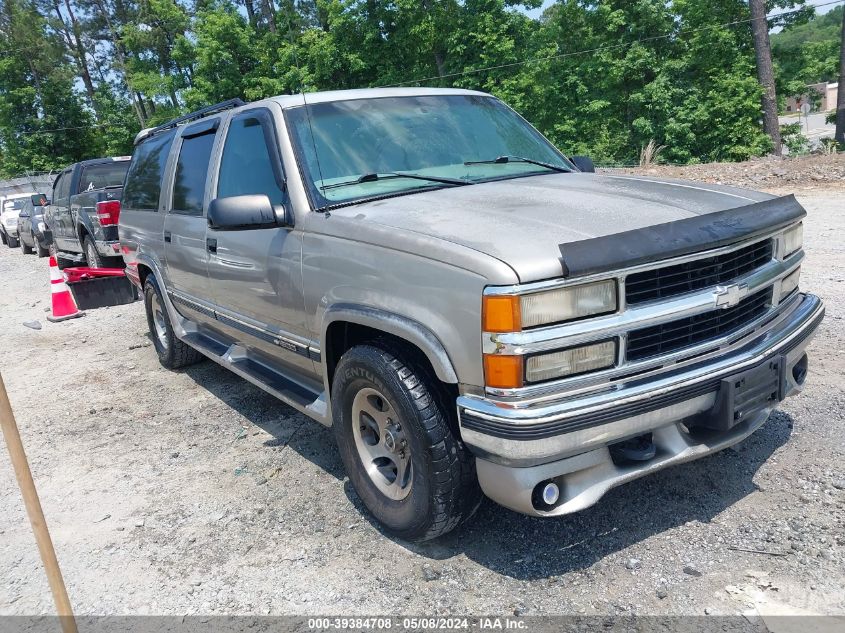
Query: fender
402,327
181,326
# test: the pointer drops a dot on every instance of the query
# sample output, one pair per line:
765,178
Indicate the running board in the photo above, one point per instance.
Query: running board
236,359
77,258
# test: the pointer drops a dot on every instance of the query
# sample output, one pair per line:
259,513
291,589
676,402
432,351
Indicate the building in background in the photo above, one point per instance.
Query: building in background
824,92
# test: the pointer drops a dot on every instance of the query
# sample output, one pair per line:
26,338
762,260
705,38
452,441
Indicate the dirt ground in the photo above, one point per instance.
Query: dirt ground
798,173
195,492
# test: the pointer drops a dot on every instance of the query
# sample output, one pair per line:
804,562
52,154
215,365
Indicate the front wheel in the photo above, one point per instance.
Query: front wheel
27,250
391,423
12,242
43,251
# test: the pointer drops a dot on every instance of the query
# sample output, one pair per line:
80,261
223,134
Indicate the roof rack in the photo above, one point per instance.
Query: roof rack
187,118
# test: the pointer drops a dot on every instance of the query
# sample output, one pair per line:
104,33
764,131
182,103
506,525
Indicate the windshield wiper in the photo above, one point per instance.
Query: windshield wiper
393,174
518,159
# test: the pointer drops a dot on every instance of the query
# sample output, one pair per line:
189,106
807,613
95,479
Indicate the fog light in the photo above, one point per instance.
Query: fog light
569,362
551,493
790,282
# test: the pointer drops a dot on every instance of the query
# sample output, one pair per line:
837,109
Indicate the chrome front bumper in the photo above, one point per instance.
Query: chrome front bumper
520,446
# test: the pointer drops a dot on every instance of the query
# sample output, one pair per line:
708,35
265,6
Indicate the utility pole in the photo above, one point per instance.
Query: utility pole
765,72
839,135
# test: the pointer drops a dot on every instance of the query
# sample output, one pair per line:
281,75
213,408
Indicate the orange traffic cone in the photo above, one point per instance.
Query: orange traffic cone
64,306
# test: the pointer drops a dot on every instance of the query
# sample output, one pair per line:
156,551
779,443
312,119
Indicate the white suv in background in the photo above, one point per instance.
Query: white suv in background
11,209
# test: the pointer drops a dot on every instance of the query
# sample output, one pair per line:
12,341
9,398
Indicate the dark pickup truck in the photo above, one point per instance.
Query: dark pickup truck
83,212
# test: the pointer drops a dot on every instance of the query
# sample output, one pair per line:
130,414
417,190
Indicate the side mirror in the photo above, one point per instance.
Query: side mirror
254,211
39,199
584,164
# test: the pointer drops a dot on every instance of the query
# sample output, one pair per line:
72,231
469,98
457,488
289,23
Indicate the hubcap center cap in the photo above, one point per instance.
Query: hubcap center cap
390,441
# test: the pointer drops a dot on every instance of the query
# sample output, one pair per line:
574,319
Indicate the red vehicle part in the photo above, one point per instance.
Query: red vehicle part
82,274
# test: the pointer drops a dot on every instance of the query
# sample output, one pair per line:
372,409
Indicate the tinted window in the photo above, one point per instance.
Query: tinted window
25,209
191,174
103,175
61,186
250,162
143,182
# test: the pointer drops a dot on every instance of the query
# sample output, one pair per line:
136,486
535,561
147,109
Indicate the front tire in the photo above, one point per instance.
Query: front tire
27,250
172,353
391,423
43,251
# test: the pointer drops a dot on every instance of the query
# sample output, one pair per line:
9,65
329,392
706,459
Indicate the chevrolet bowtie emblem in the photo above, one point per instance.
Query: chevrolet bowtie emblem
729,296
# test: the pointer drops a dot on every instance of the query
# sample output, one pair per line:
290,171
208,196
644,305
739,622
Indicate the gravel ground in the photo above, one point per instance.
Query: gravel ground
195,492
802,172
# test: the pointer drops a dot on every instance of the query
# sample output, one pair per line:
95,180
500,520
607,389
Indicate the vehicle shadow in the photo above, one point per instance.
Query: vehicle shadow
522,547
529,548
287,426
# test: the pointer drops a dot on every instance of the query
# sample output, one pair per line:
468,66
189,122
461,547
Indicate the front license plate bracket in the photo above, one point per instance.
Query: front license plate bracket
744,394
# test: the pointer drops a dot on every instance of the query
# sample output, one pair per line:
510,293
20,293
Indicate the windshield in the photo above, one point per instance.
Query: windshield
423,135
103,175
14,205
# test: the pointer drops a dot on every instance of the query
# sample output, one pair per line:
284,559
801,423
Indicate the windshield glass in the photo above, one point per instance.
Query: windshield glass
103,175
428,135
14,205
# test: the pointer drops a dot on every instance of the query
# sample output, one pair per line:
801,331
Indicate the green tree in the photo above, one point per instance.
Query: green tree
43,124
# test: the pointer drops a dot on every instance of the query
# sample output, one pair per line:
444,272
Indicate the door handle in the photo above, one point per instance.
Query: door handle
167,236
211,245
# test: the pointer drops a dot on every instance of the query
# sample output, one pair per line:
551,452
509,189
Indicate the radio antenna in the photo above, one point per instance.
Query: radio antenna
307,110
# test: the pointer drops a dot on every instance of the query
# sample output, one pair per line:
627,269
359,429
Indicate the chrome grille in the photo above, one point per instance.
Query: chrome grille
670,281
681,333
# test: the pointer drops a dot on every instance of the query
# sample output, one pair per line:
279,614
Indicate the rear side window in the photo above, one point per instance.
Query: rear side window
250,162
191,173
143,181
103,175
62,186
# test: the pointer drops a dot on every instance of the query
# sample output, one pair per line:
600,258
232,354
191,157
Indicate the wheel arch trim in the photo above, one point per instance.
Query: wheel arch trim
397,325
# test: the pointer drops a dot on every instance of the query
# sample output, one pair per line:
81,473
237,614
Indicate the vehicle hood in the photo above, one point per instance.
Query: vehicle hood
7,216
526,222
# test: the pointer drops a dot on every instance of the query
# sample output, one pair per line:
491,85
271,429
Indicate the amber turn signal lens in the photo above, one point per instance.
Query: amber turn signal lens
503,372
500,314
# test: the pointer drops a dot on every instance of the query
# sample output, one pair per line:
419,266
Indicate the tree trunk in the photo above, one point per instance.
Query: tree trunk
140,108
120,57
840,96
269,14
73,41
249,5
765,72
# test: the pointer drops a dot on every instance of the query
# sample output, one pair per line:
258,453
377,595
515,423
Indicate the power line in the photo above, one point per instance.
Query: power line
65,129
603,48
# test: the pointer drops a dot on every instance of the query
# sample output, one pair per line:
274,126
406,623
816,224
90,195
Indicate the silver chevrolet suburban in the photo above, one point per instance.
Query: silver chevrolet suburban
469,309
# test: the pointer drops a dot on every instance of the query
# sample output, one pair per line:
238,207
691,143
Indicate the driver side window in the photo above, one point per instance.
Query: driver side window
250,162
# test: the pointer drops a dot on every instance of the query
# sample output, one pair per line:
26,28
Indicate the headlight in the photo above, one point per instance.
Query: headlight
510,372
790,282
512,313
793,240
569,362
